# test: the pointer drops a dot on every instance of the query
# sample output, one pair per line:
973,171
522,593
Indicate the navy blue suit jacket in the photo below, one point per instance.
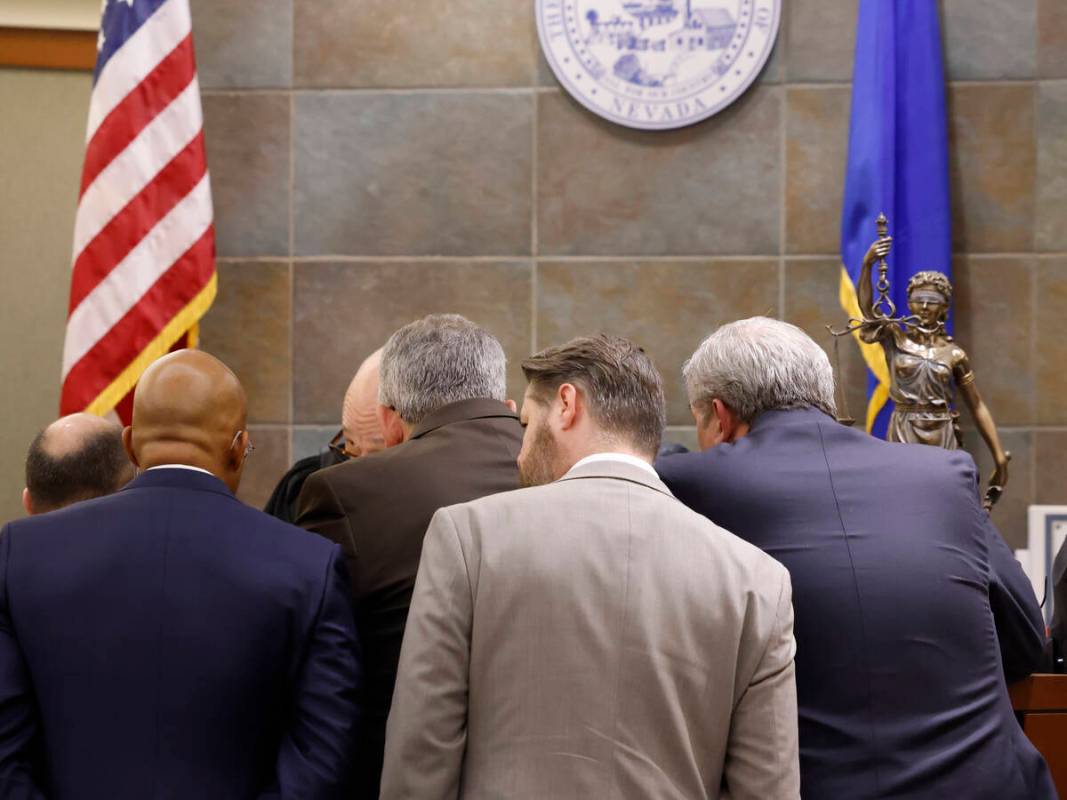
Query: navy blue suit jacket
169,641
910,609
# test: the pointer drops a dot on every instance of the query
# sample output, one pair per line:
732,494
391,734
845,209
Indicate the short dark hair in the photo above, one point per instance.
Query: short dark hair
623,387
97,467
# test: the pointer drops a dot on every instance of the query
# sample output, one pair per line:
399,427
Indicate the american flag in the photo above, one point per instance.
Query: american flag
144,243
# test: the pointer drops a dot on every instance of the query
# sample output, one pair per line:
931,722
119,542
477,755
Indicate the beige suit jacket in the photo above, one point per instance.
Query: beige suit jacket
593,639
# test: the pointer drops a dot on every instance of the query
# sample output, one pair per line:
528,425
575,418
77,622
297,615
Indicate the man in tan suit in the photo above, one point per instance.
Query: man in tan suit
590,637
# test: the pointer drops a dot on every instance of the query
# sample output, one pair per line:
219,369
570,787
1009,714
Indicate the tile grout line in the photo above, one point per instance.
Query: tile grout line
1035,300
518,90
327,259
534,220
292,44
535,282
292,273
782,209
1035,297
601,258
784,29
534,166
595,259
493,258
292,229
375,90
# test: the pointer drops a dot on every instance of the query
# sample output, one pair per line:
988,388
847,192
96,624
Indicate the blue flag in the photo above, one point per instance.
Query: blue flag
897,163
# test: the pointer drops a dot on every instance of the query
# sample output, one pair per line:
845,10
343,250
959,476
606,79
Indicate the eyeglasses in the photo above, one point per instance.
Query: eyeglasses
339,447
249,448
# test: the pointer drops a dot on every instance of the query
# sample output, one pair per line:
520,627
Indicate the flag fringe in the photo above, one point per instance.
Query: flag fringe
185,321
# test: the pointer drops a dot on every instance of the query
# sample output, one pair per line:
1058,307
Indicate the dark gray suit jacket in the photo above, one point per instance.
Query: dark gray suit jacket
911,612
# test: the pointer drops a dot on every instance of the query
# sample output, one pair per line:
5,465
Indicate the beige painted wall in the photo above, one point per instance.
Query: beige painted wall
41,135
69,14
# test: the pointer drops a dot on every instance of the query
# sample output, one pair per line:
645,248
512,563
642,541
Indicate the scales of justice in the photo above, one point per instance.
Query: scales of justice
926,366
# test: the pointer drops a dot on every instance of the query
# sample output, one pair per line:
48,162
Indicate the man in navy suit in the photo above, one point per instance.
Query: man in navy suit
168,641
911,613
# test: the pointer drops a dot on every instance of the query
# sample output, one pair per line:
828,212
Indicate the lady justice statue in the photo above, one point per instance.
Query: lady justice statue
926,367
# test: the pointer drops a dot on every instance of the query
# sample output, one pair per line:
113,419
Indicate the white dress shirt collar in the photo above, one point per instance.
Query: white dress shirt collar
625,458
180,466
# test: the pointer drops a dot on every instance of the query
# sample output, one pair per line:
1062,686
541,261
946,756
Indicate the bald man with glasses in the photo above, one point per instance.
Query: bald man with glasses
359,435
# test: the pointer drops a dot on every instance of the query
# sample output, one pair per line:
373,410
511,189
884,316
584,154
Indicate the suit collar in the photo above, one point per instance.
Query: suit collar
790,416
625,458
617,470
462,411
178,479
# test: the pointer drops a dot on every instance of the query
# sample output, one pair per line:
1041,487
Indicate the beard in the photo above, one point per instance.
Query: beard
538,468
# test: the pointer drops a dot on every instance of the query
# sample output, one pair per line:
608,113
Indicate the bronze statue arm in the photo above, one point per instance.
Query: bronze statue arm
986,427
865,292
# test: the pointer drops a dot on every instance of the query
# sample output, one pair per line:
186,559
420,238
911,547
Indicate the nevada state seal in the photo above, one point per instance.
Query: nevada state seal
657,64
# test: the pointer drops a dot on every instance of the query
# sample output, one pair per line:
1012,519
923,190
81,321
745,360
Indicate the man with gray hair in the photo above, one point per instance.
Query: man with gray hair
590,636
911,613
450,436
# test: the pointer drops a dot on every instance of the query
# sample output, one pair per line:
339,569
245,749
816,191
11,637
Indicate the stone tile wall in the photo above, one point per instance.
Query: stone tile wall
377,160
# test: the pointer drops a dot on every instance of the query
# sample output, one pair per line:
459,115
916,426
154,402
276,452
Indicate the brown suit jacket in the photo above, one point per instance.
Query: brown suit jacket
593,638
378,508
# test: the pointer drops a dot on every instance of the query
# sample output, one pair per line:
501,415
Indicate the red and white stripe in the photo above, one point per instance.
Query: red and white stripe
144,253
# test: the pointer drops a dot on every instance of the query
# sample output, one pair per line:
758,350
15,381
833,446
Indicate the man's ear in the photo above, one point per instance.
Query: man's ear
732,427
393,431
238,453
708,431
27,502
567,395
127,445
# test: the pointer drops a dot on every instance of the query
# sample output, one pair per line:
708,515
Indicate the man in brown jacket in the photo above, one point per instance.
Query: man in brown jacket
450,437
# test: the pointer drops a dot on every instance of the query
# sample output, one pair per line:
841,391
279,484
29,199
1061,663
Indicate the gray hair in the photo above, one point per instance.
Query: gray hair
437,360
760,364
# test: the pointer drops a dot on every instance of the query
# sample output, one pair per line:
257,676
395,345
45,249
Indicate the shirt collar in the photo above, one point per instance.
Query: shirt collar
181,466
626,458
